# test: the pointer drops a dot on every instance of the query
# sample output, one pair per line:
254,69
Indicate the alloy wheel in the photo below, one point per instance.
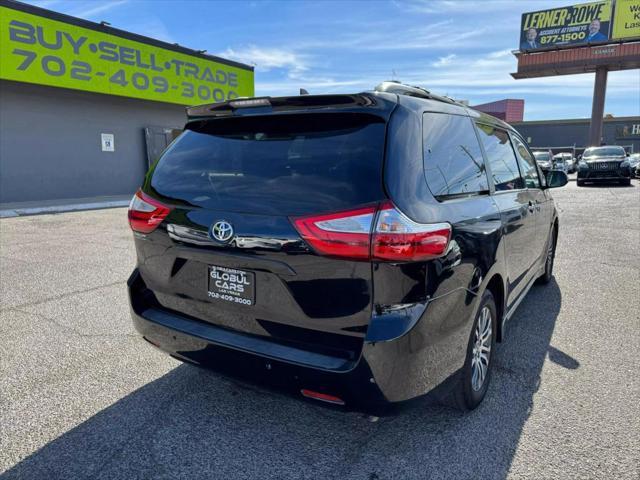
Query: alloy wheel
481,353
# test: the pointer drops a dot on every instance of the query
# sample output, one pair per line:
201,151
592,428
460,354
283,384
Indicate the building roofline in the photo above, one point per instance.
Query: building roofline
574,120
500,101
79,22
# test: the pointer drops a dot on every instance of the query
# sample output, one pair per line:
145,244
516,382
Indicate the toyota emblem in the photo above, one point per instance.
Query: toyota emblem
222,231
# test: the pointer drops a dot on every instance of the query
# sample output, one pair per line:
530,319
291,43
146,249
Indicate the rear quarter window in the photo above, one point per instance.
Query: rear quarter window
453,163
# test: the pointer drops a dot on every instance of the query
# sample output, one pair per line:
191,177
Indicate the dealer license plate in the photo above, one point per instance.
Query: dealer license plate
231,285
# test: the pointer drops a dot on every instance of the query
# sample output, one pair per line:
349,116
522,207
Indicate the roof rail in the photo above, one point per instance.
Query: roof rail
401,89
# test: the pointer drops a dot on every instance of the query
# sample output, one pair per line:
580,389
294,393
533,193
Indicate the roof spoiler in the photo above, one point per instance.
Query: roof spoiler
262,105
228,107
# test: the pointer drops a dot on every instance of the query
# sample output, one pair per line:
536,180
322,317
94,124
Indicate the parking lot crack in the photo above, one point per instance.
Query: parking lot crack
357,450
71,329
65,295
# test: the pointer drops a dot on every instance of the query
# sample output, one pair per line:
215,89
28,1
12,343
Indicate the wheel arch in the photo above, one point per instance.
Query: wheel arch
497,288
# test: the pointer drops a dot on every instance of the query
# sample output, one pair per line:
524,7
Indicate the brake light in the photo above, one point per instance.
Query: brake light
146,213
395,237
398,238
342,234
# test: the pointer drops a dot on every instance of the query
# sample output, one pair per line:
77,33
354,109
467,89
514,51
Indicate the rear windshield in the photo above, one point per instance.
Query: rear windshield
542,156
284,165
604,152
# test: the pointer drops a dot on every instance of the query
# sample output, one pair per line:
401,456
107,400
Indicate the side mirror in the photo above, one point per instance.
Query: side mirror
557,178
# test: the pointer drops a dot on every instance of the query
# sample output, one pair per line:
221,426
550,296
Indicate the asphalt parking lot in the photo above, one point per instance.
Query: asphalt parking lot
82,396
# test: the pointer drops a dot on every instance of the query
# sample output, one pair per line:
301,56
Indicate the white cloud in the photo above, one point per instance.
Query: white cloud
152,27
98,7
46,3
392,36
466,7
447,6
487,77
443,61
500,54
266,59
316,86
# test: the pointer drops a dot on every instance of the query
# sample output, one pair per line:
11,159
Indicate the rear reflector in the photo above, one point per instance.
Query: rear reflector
146,213
323,397
395,237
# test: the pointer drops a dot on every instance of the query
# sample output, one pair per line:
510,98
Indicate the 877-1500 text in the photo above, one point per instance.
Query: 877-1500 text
565,37
78,70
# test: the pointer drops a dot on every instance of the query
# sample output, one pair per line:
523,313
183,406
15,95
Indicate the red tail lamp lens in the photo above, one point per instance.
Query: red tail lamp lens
341,234
398,238
146,213
395,237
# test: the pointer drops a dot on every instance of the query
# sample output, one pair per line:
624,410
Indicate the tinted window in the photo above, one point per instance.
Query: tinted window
527,164
502,160
453,162
604,151
288,164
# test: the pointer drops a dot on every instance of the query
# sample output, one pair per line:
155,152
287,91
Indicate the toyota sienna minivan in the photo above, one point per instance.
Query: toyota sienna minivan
359,250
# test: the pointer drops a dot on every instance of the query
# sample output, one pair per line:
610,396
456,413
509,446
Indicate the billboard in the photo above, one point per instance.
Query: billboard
574,25
45,48
626,21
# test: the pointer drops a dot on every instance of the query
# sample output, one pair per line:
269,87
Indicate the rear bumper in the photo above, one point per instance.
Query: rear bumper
385,374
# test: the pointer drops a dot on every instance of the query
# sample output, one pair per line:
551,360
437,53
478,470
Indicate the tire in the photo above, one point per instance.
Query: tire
549,258
473,381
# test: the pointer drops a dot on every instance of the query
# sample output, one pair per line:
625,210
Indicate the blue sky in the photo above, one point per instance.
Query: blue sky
458,48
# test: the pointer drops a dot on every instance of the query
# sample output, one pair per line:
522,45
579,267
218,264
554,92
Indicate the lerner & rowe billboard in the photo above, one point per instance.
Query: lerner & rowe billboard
577,24
60,51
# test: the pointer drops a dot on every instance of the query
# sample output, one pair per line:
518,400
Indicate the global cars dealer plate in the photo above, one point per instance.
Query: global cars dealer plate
231,285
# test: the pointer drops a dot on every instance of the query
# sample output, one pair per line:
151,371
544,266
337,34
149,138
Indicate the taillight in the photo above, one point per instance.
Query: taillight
146,213
341,234
395,238
398,238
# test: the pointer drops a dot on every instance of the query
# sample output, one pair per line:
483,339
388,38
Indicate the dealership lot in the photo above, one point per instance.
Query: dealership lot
82,396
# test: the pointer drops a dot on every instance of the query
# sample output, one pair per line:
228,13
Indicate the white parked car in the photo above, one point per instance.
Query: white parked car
566,159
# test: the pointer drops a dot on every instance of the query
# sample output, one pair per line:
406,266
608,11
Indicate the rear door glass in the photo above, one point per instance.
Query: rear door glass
501,158
277,164
453,163
527,163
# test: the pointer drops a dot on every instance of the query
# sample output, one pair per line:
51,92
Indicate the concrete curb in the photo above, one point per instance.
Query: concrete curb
74,207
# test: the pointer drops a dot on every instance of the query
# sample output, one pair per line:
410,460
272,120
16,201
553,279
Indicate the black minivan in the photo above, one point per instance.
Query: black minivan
359,250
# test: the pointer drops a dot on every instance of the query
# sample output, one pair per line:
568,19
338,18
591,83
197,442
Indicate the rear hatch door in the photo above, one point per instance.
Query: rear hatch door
228,252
